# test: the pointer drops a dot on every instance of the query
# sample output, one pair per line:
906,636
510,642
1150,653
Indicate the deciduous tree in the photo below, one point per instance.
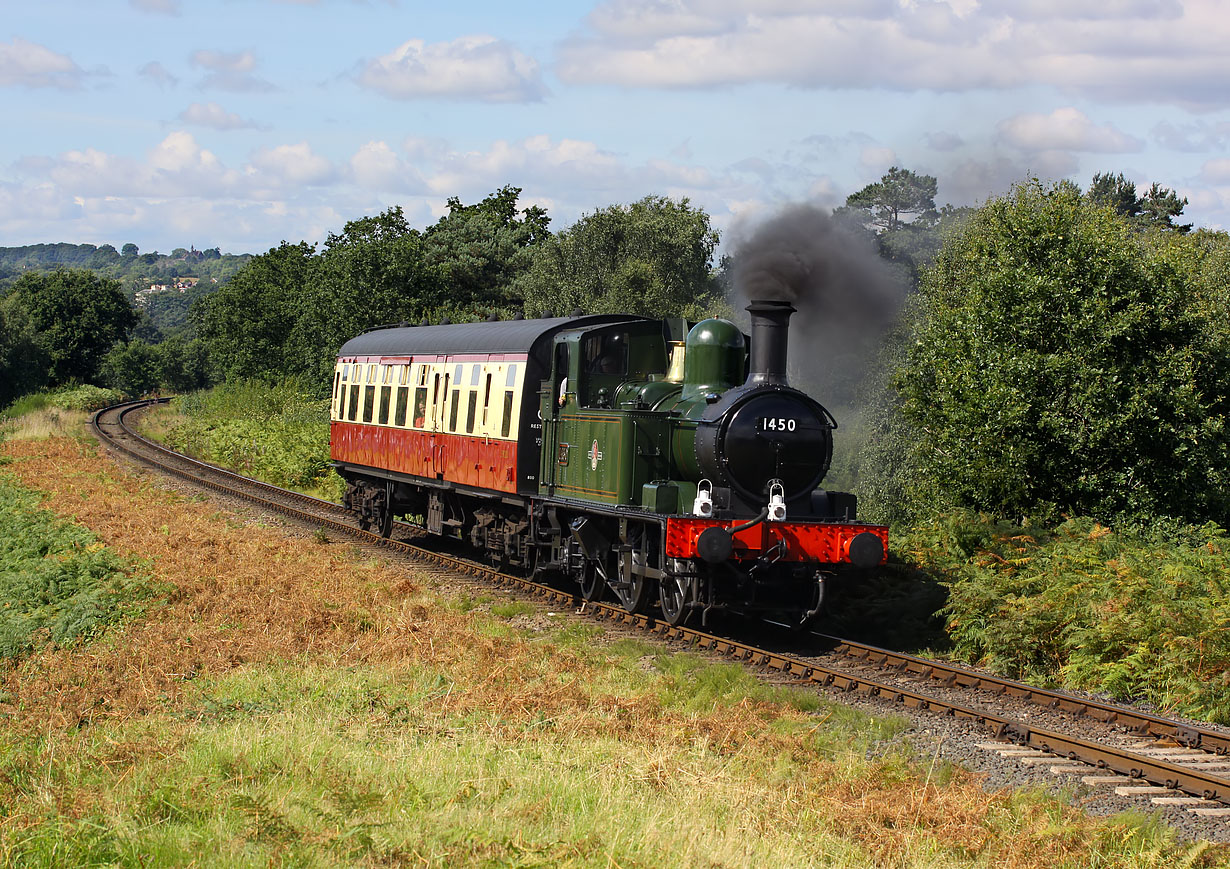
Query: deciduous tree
77,316
652,257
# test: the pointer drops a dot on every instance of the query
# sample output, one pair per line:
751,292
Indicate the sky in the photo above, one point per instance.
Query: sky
243,123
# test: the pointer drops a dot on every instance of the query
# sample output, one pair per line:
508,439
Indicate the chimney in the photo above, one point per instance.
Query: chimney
770,327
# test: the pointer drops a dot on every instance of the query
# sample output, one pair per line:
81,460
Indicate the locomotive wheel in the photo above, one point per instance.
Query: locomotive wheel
638,594
673,598
593,586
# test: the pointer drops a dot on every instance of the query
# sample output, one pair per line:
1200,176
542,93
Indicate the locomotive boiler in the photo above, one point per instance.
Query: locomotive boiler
655,460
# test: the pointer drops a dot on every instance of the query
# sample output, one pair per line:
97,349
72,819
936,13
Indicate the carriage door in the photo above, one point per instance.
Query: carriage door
439,403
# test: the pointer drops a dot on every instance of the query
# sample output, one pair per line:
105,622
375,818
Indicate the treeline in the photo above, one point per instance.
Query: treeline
131,268
288,311
1062,351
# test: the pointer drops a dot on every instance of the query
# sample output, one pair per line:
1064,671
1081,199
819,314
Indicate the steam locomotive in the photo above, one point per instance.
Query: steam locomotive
656,460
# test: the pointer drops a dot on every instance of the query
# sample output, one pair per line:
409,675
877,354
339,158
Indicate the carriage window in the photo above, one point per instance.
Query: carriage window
474,375
420,407
452,417
385,395
405,375
486,400
457,374
403,398
337,382
371,374
388,374
471,411
354,403
506,426
369,402
422,375
511,379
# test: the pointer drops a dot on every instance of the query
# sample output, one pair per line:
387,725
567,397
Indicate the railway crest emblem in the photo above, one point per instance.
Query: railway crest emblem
595,456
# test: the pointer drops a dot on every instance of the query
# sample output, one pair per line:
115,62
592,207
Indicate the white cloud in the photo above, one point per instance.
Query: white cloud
1193,137
158,7
35,66
1130,50
214,116
376,166
943,141
229,71
158,74
1216,171
472,67
1065,129
292,165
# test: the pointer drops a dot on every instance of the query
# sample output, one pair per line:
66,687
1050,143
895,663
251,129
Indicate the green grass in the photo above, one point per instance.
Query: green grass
79,398
308,766
58,583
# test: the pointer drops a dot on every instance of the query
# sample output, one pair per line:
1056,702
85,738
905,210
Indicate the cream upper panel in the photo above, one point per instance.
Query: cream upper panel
476,398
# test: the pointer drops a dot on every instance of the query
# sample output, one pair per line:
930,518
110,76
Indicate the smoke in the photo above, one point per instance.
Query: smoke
847,296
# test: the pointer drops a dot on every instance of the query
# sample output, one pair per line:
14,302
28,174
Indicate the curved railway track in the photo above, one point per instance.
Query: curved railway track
1175,762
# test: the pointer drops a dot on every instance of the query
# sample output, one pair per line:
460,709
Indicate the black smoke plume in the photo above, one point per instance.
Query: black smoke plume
847,296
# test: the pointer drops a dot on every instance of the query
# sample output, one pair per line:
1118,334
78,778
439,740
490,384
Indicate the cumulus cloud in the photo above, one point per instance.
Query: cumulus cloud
472,67
35,66
158,74
293,165
1194,137
158,7
1216,171
1123,49
943,141
229,71
377,167
1065,129
214,116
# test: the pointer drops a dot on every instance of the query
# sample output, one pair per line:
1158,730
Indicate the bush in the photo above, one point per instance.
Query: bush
1134,614
79,398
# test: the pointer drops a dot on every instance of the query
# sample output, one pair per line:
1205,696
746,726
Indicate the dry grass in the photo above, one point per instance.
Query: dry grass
249,602
50,422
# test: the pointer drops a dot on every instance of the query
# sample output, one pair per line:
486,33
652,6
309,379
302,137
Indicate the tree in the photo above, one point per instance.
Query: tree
23,361
1057,361
130,250
899,198
1158,207
77,316
651,257
481,250
247,322
132,368
899,210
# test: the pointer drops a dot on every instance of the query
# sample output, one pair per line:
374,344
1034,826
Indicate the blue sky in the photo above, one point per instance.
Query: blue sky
239,124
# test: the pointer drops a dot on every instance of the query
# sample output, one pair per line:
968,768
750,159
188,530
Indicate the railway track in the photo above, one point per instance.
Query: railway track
1175,763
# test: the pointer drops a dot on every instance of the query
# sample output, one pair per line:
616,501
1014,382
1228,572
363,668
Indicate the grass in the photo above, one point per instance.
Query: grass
287,705
58,582
54,413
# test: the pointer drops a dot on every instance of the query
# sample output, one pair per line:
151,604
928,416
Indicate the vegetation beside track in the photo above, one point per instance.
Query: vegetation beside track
277,432
1134,614
294,701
